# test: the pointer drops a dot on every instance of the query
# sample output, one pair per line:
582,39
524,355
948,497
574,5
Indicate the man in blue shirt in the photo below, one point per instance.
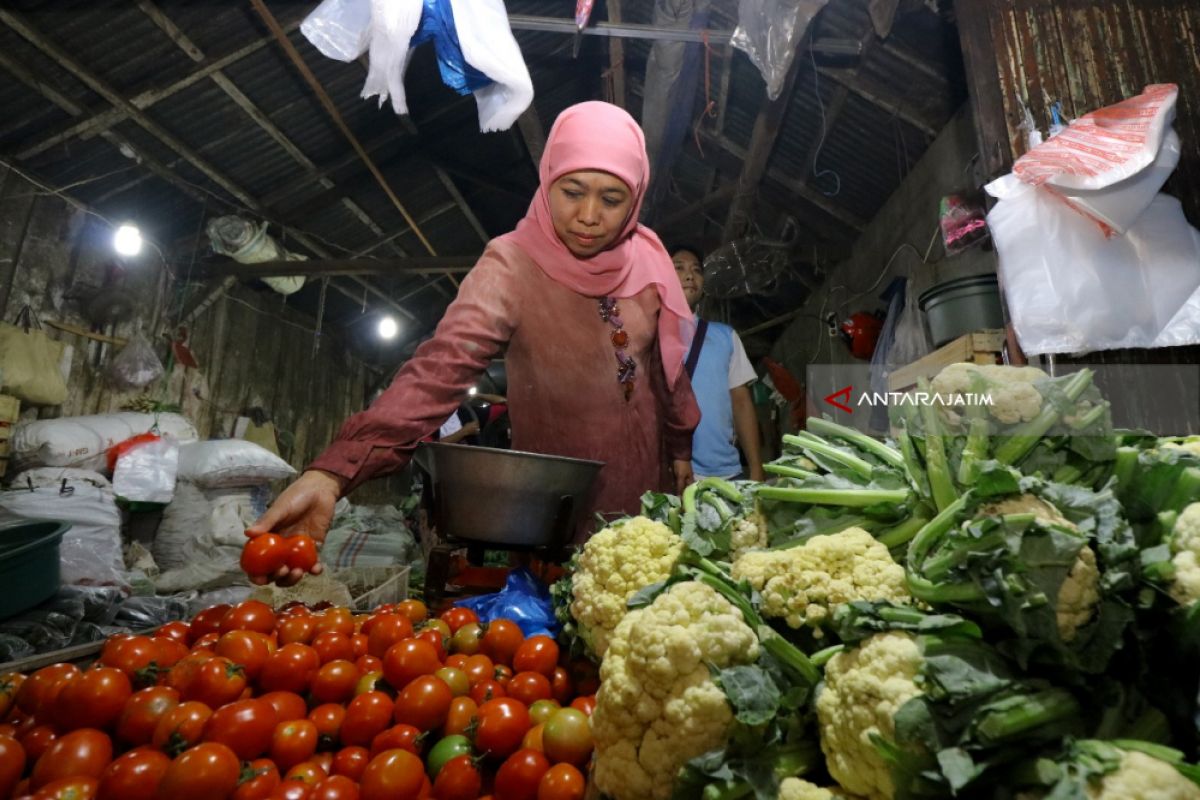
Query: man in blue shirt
721,377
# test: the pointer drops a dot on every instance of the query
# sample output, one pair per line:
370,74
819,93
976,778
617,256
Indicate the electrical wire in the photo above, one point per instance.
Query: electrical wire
816,172
75,185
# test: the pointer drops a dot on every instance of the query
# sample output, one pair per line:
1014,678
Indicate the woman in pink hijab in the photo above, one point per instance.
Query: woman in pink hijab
583,302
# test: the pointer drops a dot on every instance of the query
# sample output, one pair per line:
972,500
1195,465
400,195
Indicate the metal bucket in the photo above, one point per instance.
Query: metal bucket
505,498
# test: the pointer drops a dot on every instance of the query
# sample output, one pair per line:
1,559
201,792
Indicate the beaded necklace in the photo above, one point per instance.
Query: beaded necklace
626,366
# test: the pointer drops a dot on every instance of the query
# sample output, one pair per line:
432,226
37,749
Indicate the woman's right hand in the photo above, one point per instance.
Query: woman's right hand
305,507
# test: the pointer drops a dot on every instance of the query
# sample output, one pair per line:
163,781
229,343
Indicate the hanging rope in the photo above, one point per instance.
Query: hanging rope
710,105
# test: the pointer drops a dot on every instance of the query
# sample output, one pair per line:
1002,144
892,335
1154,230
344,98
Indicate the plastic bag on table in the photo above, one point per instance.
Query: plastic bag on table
97,604
524,600
768,30
1071,290
340,29
140,613
136,366
145,472
43,630
14,648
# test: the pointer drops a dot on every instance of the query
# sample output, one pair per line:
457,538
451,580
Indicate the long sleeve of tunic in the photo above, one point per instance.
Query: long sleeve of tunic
563,395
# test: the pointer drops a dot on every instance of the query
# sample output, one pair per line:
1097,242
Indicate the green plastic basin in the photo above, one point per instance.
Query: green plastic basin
29,571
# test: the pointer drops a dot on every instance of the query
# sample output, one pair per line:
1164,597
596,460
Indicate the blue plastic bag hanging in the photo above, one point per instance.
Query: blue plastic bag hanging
524,600
437,25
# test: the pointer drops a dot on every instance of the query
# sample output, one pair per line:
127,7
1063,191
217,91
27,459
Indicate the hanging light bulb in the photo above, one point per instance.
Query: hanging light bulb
474,390
127,240
388,328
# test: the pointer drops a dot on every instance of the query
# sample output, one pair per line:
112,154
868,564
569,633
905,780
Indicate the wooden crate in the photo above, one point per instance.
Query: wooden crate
981,347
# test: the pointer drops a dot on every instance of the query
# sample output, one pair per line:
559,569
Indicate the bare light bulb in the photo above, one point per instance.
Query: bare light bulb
127,241
473,391
388,328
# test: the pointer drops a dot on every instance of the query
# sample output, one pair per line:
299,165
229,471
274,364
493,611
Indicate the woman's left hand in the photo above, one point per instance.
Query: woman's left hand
683,475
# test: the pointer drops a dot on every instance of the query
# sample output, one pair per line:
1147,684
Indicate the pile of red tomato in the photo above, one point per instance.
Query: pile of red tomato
246,703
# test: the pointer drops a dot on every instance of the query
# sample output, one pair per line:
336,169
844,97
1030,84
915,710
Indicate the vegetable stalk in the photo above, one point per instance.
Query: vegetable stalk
1026,437
880,450
806,441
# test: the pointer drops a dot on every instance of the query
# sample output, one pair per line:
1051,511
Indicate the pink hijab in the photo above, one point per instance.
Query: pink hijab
601,136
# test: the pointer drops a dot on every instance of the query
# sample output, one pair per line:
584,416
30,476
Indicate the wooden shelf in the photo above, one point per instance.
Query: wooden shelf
981,347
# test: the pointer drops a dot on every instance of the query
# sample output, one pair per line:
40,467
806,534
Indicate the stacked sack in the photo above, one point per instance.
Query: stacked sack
222,488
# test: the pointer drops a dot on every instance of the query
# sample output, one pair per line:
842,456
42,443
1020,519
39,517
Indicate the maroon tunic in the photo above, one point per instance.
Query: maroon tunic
563,394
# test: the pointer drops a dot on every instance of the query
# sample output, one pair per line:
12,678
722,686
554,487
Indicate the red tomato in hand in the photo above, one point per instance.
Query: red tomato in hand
458,779
92,700
407,660
81,753
203,772
367,716
244,726
293,742
536,654
301,553
424,703
501,640
264,554
502,725
520,774
393,775
133,776
141,713
562,782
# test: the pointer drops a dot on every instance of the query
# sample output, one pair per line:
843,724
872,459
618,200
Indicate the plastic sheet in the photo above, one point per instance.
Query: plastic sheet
146,473
340,29
524,600
139,613
136,366
768,30
1071,290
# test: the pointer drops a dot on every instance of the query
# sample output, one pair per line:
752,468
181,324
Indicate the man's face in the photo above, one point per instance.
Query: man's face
691,276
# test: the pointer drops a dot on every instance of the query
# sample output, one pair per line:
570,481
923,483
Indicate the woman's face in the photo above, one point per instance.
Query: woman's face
589,209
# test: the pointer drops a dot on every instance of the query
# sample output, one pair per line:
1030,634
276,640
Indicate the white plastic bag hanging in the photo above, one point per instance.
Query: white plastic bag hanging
340,29
489,46
1072,290
768,30
136,366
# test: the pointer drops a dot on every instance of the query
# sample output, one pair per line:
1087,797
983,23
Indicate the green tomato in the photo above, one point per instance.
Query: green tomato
541,710
444,750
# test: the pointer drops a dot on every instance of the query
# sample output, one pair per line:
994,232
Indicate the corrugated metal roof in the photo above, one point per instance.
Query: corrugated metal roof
911,81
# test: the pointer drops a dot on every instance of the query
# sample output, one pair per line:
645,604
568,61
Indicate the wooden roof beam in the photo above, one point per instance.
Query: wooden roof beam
854,82
616,56
317,267
93,124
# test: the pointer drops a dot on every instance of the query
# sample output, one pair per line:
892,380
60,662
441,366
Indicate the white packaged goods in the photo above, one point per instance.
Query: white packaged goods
199,542
90,552
52,478
230,462
83,442
1109,164
146,472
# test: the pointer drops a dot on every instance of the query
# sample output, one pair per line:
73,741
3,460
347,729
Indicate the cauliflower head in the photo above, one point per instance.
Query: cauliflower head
1185,549
658,705
749,533
863,690
614,564
1145,777
803,584
799,789
1014,397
